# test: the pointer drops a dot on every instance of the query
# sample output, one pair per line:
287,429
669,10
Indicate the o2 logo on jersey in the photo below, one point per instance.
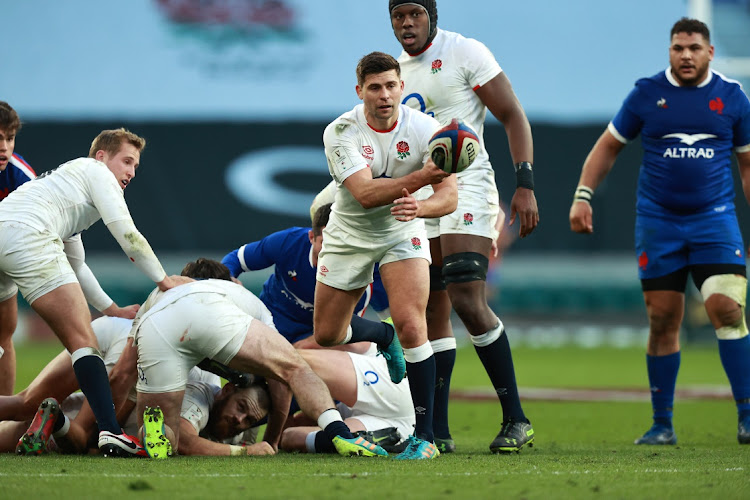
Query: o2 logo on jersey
422,106
371,378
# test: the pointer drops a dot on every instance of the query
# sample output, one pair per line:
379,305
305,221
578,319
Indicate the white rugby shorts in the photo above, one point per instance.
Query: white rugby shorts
347,260
31,261
476,215
380,402
173,340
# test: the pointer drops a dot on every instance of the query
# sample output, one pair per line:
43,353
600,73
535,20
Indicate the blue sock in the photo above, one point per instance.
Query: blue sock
337,428
662,378
372,331
422,384
444,361
498,363
94,383
735,357
323,443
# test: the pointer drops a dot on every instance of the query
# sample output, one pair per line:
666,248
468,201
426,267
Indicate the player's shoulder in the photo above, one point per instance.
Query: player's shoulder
727,85
345,124
660,79
414,118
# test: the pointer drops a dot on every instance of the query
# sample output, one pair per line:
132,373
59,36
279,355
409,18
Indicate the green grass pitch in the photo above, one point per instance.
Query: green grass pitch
583,448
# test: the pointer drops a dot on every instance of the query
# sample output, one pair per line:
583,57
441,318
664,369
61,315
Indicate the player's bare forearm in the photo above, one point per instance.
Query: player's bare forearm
743,162
371,193
192,444
281,399
124,374
443,201
600,160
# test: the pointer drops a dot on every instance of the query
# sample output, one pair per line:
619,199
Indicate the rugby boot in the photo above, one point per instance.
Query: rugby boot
357,446
512,437
394,356
120,445
36,439
743,430
388,438
418,449
658,434
445,445
154,435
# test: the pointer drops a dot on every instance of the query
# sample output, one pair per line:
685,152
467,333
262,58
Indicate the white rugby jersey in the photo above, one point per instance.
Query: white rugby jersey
238,294
111,334
196,408
68,199
352,145
441,82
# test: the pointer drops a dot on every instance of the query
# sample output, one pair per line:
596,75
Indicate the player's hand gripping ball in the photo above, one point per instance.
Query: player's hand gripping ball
454,147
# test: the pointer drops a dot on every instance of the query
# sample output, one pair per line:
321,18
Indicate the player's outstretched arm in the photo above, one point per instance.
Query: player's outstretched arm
596,167
192,444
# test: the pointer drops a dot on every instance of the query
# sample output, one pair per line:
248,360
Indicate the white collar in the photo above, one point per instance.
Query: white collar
673,80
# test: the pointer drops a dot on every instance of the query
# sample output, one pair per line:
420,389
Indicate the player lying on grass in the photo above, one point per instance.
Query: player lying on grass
214,420
221,320
373,403
289,292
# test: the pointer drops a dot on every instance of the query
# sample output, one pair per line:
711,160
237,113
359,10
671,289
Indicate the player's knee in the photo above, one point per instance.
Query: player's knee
729,313
437,282
464,267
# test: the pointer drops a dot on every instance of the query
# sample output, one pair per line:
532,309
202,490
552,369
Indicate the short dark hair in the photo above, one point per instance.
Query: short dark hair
374,63
9,119
320,220
206,269
690,26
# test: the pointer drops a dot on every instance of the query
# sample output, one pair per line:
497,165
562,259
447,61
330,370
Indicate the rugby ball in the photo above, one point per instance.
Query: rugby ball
454,147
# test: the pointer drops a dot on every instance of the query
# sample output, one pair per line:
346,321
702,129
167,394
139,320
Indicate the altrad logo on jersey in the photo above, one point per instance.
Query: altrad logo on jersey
688,152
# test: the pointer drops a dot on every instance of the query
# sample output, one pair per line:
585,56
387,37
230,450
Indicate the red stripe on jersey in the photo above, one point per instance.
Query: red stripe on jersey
383,131
21,163
421,51
476,88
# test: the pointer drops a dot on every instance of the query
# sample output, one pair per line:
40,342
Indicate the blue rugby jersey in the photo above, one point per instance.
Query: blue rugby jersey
289,293
16,173
688,134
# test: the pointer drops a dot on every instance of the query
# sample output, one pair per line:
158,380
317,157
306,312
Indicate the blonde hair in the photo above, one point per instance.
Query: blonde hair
110,141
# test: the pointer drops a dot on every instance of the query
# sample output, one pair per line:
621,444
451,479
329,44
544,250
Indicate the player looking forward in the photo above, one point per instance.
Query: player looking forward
690,119
378,155
448,76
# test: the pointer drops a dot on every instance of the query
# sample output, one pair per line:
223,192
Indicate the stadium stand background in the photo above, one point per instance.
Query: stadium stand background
243,95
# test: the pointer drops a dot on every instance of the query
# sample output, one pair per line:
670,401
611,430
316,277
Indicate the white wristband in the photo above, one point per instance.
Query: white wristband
237,451
583,193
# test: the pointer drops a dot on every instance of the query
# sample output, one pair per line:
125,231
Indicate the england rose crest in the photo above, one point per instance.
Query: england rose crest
402,148
416,243
468,219
437,65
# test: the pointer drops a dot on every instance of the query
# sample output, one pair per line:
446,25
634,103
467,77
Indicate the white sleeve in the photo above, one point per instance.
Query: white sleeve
478,61
92,290
342,152
325,197
137,248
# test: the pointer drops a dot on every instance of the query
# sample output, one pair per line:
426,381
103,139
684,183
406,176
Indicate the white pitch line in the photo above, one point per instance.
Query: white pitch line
528,472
